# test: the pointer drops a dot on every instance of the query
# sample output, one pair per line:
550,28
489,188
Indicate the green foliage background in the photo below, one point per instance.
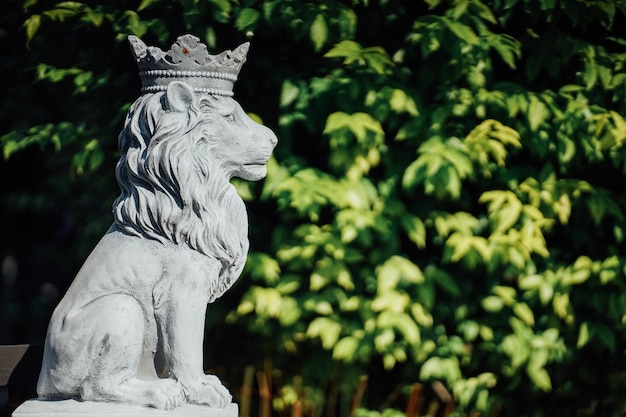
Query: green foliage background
446,202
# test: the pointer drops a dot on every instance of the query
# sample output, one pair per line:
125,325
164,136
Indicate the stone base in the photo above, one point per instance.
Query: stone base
73,408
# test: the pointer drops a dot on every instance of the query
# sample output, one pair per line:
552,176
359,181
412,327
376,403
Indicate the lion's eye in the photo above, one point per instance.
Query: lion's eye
230,117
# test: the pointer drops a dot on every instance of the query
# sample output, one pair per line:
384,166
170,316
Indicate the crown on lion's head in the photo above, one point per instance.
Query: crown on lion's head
188,60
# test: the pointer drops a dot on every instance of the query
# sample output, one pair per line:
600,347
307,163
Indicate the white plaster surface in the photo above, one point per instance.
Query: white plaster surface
73,408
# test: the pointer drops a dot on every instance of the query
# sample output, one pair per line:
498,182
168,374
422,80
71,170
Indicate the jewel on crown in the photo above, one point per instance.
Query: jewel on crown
189,61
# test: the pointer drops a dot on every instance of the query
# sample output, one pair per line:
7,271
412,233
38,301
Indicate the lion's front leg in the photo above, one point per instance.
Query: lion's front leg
181,321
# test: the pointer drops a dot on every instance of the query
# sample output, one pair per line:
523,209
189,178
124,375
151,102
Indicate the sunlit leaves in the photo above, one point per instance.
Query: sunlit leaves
474,250
82,79
318,23
345,348
533,351
369,136
358,123
64,9
326,329
505,209
401,102
94,16
488,142
58,137
89,158
396,270
374,58
507,47
269,304
308,191
263,268
440,167
447,369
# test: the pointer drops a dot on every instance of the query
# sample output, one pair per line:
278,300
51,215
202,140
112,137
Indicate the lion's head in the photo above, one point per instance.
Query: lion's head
179,149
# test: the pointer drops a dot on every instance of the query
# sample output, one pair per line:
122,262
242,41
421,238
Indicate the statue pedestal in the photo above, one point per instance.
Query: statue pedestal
73,408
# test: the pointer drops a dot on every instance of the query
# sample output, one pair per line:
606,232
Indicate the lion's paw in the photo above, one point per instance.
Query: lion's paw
208,391
163,394
168,395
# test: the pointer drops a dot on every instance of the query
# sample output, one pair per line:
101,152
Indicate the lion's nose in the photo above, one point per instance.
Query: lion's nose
273,139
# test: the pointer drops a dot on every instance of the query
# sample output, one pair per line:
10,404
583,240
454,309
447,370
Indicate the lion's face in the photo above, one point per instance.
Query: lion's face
222,133
240,145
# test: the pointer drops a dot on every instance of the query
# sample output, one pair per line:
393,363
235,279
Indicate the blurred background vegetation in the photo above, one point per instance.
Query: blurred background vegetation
441,231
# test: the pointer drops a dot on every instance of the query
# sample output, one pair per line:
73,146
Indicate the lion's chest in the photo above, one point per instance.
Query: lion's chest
140,268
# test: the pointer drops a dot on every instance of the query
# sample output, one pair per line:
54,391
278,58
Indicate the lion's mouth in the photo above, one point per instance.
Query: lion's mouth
253,171
259,163
255,166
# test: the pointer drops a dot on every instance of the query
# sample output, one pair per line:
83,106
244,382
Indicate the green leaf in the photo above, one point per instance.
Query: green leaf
336,121
384,339
358,123
71,5
432,3
401,322
144,4
246,19
506,294
400,102
524,312
319,32
326,329
463,32
415,229
446,282
583,335
530,282
440,167
561,303
446,369
517,349
421,316
27,4
541,378
290,312
63,10
345,348
32,25
96,19
289,93
492,304
373,57
344,49
507,47
606,336
538,113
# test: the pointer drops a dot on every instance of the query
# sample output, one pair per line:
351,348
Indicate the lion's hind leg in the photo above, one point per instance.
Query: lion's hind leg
99,353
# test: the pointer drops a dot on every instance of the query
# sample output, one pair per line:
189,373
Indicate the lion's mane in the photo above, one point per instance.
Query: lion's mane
174,190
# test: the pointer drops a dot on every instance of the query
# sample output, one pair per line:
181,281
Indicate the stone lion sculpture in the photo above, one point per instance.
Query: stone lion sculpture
130,328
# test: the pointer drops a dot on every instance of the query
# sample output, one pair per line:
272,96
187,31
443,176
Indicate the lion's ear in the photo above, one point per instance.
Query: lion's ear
179,96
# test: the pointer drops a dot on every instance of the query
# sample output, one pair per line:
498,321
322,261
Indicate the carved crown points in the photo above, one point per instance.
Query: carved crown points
189,61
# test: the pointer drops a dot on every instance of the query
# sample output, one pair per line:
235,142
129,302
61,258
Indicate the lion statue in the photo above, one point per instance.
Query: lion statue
130,328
